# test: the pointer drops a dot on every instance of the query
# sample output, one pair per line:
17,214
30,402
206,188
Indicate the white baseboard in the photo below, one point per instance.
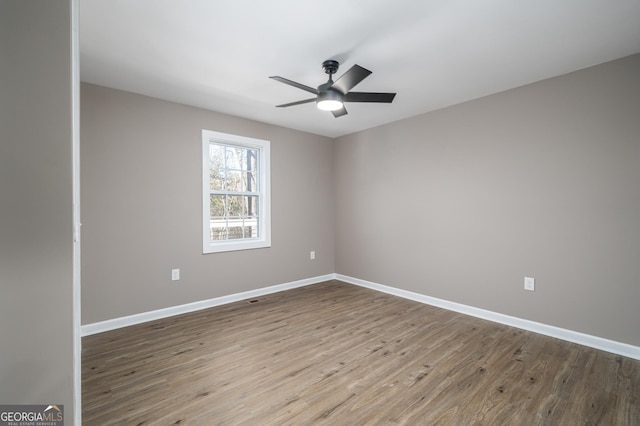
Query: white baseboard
112,324
612,346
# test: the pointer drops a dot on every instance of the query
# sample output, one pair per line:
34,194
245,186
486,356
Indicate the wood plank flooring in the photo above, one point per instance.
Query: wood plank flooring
338,354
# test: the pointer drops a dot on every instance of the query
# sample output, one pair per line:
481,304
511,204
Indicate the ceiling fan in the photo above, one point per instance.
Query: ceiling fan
332,95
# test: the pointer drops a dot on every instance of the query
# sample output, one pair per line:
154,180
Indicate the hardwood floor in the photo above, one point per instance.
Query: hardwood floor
338,354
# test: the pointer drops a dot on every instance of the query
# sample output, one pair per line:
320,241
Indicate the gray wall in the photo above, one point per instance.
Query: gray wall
36,190
141,206
540,181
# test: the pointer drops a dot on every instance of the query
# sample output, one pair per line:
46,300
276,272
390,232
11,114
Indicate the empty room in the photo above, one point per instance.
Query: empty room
348,213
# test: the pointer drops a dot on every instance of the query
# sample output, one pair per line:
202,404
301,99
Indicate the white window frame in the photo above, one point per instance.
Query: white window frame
264,194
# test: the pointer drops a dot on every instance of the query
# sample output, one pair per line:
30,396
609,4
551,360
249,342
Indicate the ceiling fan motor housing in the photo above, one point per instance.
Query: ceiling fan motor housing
330,95
330,66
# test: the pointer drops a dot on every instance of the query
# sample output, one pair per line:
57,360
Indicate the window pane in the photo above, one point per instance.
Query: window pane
217,205
216,167
234,157
250,184
218,230
216,181
241,155
251,231
235,232
229,157
250,205
252,160
234,181
235,205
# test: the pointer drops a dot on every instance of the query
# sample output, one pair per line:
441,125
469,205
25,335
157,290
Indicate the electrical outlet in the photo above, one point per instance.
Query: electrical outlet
312,255
529,284
175,274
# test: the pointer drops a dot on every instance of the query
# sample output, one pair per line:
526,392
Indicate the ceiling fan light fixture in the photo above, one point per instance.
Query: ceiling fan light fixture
329,105
329,101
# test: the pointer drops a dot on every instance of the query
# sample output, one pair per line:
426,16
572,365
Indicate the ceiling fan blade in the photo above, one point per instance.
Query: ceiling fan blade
339,112
351,78
386,98
306,101
294,84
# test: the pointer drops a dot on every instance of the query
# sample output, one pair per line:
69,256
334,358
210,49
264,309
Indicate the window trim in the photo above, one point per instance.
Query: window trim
264,175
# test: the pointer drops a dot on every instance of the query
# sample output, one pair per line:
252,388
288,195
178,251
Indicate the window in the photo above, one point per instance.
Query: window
235,192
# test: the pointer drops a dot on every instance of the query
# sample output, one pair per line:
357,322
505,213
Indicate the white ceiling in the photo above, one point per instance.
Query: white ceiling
218,55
